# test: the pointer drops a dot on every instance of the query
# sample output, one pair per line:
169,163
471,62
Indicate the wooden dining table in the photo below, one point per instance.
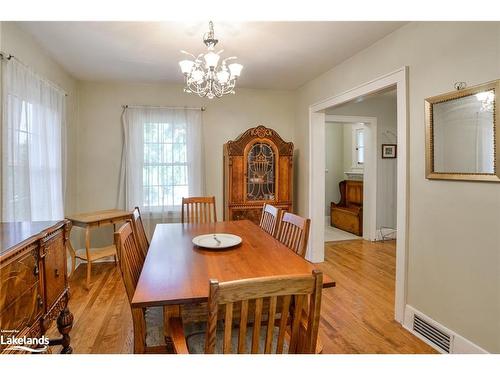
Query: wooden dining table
177,272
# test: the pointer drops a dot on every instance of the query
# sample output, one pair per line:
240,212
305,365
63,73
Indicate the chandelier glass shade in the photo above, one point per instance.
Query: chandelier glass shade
206,75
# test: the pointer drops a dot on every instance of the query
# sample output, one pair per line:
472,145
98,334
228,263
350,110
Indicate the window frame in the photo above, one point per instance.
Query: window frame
163,163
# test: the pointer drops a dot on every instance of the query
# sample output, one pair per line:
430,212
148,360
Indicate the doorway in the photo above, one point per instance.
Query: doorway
358,162
317,173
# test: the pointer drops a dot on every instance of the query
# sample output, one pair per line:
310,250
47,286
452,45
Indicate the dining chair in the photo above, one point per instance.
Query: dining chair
289,325
270,219
140,233
294,232
198,210
131,260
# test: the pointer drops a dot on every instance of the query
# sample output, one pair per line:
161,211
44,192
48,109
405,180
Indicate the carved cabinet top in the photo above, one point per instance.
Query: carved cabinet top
237,146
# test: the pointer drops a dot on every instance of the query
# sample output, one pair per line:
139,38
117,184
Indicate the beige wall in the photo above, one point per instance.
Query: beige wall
16,42
334,163
100,133
454,227
347,136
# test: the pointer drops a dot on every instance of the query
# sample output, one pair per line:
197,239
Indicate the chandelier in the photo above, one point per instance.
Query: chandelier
204,75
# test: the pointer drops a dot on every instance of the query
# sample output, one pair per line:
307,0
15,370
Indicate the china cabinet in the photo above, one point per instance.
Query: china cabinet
258,169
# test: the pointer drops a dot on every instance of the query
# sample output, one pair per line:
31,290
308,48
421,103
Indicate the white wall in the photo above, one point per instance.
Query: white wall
334,154
347,151
383,107
17,42
100,132
454,227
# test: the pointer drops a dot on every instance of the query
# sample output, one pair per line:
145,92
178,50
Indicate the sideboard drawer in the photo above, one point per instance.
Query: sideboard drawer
17,277
55,268
23,311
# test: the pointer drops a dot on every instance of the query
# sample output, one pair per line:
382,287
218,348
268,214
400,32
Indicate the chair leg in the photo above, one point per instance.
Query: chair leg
171,311
72,254
114,256
89,269
73,265
87,251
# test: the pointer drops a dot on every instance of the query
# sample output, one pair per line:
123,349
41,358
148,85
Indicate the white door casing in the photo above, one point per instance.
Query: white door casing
315,252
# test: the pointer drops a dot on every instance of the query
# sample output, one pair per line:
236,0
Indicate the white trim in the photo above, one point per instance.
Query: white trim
459,344
316,249
369,174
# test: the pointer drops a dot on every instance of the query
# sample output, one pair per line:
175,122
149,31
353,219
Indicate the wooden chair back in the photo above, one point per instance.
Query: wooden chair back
270,219
290,294
140,233
131,260
130,257
294,232
198,210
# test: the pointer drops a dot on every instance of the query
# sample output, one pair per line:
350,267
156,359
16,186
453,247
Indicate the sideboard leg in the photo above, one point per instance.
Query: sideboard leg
64,325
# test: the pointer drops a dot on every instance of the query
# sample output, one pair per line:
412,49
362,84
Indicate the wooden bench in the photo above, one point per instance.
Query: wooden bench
348,213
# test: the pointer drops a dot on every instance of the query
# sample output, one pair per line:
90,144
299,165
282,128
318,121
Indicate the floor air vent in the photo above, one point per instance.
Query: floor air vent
431,333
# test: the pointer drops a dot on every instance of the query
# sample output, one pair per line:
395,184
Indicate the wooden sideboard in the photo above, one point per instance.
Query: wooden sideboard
33,281
258,169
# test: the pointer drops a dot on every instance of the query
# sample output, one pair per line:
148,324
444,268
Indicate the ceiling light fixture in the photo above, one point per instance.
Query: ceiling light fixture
204,75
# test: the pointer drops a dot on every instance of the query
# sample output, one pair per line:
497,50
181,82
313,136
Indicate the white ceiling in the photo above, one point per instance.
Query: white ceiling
275,55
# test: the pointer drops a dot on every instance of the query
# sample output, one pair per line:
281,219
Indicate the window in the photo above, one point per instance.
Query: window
165,171
360,146
162,161
32,167
17,159
358,149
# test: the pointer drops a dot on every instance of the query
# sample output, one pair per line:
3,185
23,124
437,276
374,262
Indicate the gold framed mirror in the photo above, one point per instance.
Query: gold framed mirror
462,134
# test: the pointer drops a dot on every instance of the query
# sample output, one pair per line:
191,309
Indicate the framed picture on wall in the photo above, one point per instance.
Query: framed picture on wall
389,151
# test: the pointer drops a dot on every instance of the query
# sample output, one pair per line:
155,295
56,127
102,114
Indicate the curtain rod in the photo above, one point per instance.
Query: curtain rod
8,56
159,106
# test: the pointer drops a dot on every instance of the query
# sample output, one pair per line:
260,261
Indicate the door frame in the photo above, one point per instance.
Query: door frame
369,171
316,248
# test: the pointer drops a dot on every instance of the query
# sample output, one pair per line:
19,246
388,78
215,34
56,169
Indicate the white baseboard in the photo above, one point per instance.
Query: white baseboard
459,344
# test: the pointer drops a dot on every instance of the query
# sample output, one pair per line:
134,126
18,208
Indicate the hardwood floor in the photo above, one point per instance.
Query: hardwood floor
357,316
102,319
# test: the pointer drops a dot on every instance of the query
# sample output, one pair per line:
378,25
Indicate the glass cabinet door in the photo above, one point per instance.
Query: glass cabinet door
260,173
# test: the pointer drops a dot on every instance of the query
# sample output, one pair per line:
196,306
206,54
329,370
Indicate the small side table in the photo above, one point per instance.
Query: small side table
91,220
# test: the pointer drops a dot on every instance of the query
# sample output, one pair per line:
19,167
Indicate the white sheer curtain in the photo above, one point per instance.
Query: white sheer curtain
162,161
32,146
